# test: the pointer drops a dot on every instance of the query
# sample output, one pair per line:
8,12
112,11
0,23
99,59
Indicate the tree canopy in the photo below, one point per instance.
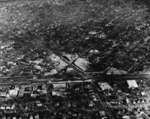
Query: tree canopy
118,29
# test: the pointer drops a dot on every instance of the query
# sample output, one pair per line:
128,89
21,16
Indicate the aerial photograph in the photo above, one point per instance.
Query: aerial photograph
74,59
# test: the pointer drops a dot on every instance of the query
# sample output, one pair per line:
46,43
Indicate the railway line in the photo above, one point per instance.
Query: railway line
35,103
28,98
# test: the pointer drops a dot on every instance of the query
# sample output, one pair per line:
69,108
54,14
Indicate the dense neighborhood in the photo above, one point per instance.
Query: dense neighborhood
69,59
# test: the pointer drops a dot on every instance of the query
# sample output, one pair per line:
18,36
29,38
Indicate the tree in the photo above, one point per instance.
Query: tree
116,28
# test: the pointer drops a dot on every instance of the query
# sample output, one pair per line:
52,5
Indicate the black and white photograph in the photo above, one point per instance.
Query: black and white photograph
74,59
